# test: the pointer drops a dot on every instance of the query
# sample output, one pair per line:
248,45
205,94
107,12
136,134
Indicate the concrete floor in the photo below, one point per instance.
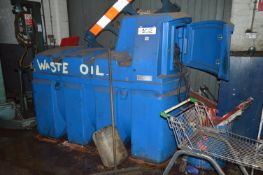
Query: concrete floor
22,154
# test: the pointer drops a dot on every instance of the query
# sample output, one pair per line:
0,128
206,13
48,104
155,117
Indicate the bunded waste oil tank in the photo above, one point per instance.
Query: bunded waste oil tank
145,81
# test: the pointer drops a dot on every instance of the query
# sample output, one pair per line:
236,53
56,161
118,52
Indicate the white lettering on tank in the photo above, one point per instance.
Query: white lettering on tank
84,69
91,70
65,68
41,66
47,65
98,71
53,67
58,65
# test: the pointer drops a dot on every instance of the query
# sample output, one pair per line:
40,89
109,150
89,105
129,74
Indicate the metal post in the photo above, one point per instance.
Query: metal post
112,109
22,104
44,22
2,86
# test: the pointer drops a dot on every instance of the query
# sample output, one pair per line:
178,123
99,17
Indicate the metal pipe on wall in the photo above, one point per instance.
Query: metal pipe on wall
44,22
2,86
51,23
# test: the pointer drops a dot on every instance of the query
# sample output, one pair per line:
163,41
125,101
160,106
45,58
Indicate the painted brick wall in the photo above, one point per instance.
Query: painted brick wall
242,11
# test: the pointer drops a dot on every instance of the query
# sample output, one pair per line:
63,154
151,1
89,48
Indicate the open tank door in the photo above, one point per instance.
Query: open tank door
207,47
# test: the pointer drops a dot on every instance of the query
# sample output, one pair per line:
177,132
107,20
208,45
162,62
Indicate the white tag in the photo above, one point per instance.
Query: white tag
147,31
28,16
39,28
251,35
144,78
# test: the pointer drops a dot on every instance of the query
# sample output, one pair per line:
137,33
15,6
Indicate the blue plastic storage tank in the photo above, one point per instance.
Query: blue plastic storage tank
145,82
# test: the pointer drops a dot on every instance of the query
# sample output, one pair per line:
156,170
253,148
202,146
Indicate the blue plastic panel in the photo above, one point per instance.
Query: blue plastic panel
151,138
206,47
79,111
122,104
49,105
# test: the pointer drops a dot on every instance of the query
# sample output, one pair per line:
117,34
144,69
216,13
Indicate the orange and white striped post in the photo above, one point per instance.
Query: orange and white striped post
109,16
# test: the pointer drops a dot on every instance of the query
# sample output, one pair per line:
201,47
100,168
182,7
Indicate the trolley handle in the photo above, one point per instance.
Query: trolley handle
165,114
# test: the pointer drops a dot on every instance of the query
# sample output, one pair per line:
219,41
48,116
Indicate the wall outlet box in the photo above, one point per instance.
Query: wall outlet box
251,35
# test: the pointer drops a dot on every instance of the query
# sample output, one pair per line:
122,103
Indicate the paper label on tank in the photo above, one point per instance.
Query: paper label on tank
144,78
147,31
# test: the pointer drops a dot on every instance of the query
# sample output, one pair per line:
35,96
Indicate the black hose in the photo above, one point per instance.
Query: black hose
183,75
21,61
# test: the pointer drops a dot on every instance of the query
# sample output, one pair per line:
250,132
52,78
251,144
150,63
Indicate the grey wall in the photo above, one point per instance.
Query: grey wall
242,12
83,14
7,34
198,9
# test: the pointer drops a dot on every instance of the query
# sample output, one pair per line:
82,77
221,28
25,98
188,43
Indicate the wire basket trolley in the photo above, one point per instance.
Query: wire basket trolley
196,136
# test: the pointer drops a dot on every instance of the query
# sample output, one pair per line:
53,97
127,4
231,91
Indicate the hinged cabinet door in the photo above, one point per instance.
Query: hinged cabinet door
207,47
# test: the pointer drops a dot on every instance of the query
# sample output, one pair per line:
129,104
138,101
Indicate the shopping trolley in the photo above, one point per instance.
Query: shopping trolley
196,136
